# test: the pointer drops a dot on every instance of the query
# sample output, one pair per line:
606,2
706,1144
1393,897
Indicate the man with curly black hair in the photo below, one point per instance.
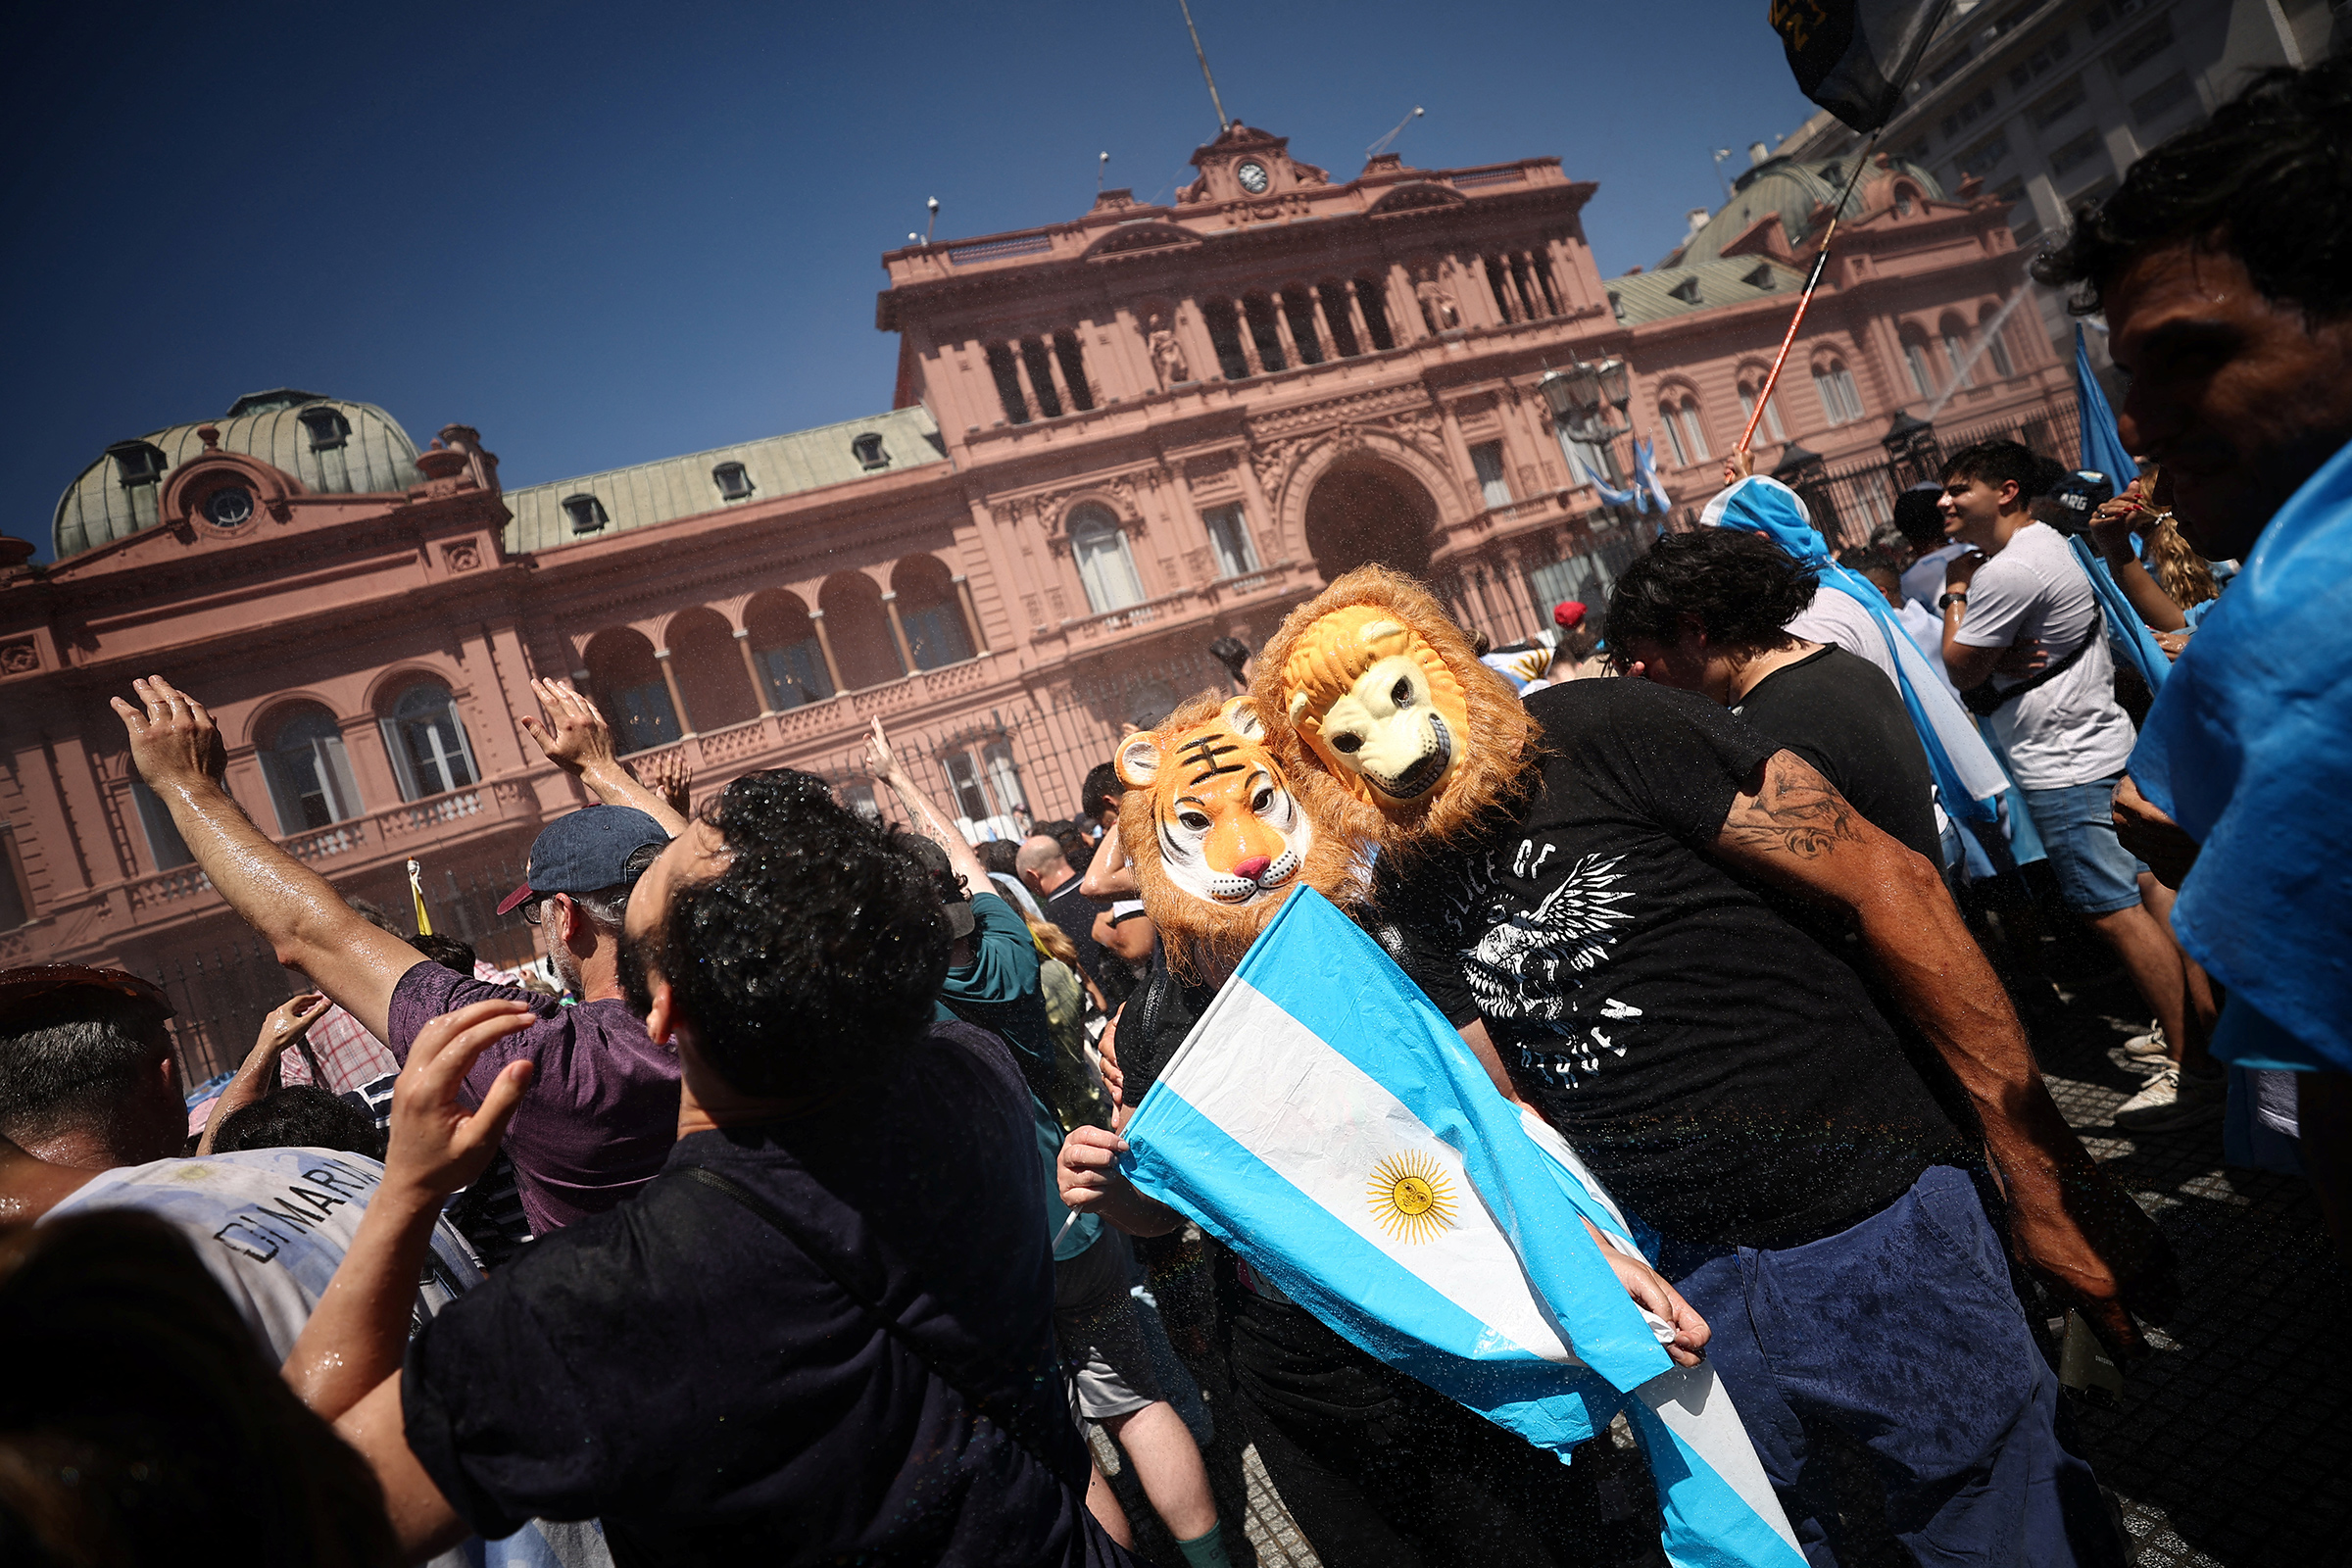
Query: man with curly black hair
2224,265
824,1333
1704,610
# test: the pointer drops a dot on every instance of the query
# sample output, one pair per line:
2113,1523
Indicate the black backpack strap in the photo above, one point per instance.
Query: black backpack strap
1985,701
874,1314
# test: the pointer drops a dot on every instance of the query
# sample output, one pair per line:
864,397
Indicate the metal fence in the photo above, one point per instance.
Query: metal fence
1854,500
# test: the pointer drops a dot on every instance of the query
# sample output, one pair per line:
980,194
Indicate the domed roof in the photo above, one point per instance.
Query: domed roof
333,447
1792,190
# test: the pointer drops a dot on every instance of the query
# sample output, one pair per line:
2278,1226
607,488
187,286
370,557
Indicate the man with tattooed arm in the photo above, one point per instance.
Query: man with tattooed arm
1612,950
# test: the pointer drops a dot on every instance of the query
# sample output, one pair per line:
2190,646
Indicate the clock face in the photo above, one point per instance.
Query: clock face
1252,176
228,508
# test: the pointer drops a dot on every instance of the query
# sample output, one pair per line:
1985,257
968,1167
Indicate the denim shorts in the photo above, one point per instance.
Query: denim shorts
2095,872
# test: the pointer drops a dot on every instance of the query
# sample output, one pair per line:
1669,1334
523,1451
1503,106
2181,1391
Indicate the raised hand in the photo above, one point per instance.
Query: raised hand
173,739
574,735
881,762
437,1146
670,775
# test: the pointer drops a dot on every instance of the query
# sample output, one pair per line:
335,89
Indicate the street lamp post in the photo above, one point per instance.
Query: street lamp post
1912,455
1579,398
1805,473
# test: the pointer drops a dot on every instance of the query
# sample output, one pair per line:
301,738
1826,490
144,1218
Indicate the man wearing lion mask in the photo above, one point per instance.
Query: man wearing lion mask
1581,884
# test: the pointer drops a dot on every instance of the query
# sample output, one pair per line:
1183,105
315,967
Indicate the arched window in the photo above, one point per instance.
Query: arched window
1955,351
625,679
1840,402
1105,564
1678,413
784,645
427,740
1996,345
930,612
309,773
1915,361
1751,380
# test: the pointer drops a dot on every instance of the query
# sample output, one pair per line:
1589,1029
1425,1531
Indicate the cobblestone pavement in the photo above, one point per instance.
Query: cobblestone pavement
2232,1445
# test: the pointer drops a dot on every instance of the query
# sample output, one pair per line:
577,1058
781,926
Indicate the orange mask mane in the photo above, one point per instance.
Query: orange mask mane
1396,728
1220,834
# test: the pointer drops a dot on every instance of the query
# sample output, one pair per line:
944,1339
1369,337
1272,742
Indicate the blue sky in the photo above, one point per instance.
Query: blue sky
603,233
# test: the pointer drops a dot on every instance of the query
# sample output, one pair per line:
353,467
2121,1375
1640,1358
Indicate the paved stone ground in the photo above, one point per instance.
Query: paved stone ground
2232,1448
2232,1445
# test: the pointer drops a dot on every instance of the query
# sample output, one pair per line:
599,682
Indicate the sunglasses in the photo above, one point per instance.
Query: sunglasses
532,910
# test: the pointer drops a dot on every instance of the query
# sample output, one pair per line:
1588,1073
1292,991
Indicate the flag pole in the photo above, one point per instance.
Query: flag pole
1821,264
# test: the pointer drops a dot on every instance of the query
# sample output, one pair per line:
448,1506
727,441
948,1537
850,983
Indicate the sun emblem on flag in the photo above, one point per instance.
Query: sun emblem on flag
1410,1196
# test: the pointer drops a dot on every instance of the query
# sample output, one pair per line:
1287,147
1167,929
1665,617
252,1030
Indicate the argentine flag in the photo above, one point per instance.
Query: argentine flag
1324,1121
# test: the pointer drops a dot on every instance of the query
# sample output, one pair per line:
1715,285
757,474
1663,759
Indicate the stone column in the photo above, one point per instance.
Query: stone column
825,645
1199,349
1282,330
1323,334
972,614
898,632
1261,510
1404,306
1054,373
1241,327
750,668
1021,372
1355,320
677,699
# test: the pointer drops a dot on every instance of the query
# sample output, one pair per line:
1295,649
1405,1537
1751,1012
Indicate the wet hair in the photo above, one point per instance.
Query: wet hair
610,906
153,1420
814,953
68,1058
2000,462
996,856
1102,791
299,1116
1919,518
2266,179
1739,586
1077,848
447,952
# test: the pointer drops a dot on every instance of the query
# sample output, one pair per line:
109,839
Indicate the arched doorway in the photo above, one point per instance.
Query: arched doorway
1367,511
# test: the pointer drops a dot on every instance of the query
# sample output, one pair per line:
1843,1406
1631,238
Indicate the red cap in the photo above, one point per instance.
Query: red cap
1568,614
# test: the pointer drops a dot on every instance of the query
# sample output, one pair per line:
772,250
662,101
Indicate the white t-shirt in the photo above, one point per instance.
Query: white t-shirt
1836,618
272,1226
2068,730
1923,579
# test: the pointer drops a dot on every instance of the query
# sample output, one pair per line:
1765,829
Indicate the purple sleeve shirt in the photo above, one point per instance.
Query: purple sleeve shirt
601,1110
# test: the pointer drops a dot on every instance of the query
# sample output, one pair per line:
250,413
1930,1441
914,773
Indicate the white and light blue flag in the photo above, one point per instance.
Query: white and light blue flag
1324,1121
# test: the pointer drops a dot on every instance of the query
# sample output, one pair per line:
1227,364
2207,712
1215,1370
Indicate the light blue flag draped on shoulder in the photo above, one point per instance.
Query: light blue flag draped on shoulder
2103,450
1967,776
1324,1121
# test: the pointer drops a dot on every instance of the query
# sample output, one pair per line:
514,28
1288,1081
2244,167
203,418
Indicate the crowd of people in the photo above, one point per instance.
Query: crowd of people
784,1219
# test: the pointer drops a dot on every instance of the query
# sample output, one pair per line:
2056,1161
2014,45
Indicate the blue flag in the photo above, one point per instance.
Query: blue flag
1324,1121
1612,495
1645,476
2103,450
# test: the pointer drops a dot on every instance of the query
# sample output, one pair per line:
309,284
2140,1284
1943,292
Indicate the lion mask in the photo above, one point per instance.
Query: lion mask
1388,699
1219,836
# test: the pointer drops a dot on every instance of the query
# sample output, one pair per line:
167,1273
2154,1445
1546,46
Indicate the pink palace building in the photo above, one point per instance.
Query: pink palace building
1112,441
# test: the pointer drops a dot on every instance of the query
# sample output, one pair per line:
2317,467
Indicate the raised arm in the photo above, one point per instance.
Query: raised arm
885,766
176,748
577,740
256,1077
2071,1220
346,1365
2111,535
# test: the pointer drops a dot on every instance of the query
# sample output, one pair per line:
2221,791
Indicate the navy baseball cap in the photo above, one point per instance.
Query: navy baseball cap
584,852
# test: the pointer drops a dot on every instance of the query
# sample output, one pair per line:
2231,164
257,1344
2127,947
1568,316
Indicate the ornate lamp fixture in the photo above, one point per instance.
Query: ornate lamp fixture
1912,456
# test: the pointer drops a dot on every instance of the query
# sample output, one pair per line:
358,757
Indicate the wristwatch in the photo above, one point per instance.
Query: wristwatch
1958,596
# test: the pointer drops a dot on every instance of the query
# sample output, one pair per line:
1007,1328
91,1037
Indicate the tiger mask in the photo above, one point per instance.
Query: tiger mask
1218,836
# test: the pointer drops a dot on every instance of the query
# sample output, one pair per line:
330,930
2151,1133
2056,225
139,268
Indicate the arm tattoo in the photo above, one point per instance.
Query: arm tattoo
1795,811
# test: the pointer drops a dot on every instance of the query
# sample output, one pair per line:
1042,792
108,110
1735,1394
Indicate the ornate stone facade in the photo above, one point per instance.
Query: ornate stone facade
1114,440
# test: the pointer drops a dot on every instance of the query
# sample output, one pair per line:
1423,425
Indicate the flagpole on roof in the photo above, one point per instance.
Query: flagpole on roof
1823,79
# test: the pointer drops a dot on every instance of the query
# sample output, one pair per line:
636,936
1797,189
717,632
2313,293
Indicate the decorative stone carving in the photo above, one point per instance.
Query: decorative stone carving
464,556
19,658
1431,288
1168,355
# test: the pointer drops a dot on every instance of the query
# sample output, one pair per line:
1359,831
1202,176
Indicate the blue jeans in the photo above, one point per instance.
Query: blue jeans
1904,1333
2094,871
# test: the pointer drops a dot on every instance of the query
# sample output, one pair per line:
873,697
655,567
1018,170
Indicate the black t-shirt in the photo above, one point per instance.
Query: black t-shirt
1725,1077
680,1369
1843,715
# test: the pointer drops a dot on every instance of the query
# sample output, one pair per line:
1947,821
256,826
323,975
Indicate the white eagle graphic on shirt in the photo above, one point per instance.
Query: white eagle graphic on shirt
1532,965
